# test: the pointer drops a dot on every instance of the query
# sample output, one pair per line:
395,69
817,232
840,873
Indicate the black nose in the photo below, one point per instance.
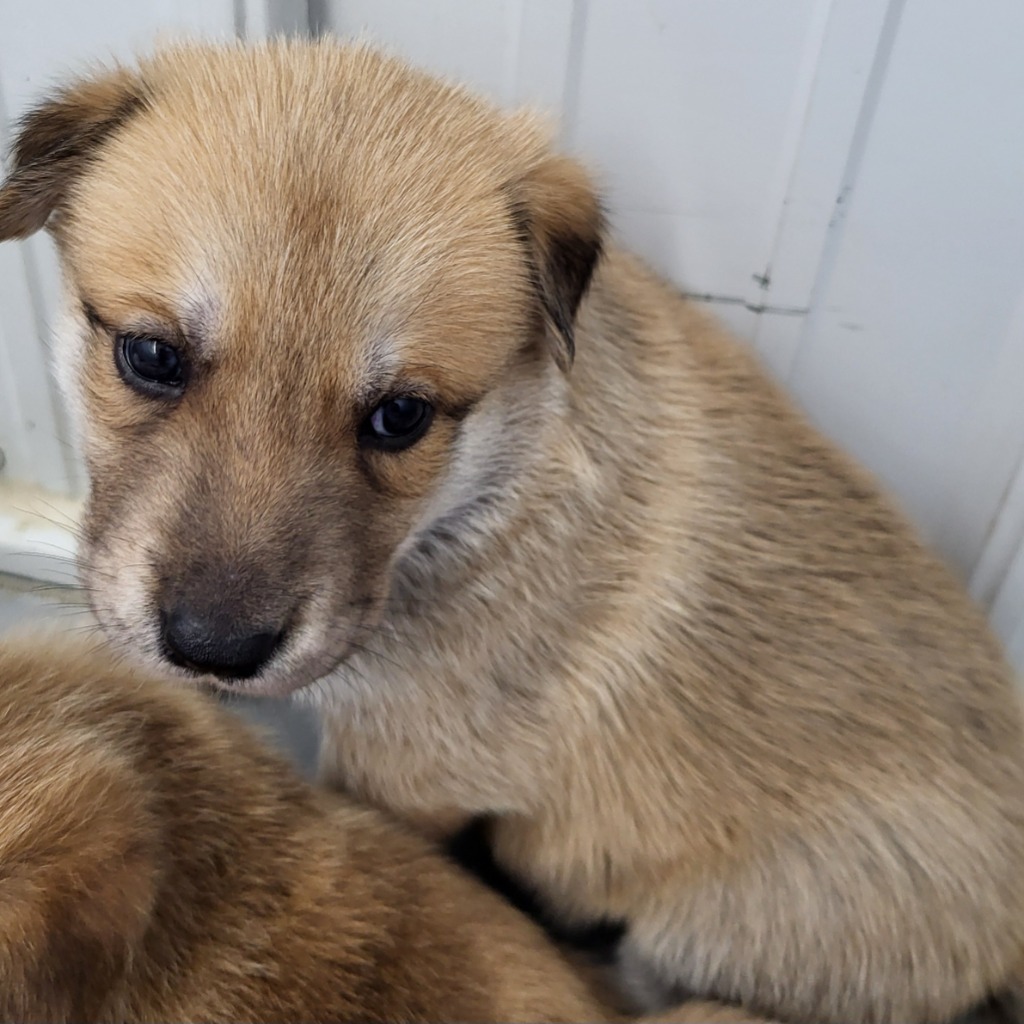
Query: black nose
223,649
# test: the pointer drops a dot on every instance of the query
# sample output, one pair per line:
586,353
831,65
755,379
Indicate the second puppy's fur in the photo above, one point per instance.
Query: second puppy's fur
369,400
157,863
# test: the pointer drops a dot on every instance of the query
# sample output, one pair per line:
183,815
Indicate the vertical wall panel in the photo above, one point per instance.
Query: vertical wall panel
831,113
923,272
692,141
514,51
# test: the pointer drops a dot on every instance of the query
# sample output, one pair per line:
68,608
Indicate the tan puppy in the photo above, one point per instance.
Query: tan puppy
321,321
158,864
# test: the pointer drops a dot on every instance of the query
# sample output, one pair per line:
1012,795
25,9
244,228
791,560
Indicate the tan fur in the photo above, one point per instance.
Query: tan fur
157,863
700,675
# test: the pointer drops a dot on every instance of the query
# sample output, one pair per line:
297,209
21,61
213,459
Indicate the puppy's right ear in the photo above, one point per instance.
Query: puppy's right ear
558,217
55,142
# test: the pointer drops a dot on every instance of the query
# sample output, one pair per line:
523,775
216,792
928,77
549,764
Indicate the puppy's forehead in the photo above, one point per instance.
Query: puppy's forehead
323,190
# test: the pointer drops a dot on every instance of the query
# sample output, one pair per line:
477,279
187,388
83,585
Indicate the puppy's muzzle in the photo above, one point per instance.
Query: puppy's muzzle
228,650
223,620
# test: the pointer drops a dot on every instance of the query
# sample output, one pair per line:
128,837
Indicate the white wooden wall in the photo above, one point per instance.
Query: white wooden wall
842,180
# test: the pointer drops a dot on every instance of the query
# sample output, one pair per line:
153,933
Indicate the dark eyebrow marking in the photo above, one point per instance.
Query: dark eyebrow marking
146,328
93,317
458,411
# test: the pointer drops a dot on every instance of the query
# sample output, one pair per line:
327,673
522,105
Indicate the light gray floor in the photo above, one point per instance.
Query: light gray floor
25,604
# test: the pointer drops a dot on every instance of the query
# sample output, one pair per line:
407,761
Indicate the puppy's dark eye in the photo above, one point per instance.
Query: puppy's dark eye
397,423
150,365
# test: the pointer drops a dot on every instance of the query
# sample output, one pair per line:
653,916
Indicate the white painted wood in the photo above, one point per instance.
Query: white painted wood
981,514
514,51
921,275
32,431
695,143
260,19
543,62
1003,546
1006,608
832,102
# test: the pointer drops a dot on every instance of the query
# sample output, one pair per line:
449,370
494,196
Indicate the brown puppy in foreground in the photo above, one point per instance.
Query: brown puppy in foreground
158,863
374,410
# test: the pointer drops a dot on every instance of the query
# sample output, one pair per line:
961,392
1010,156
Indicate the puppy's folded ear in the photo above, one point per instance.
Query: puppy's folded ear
558,216
54,143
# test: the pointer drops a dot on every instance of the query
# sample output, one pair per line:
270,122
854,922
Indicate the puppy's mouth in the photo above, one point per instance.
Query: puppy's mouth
273,681
276,680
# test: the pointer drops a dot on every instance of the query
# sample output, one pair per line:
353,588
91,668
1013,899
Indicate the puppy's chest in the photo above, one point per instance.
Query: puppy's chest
421,736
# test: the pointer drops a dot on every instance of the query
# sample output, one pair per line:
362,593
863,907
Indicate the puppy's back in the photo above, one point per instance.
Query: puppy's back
79,864
157,862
